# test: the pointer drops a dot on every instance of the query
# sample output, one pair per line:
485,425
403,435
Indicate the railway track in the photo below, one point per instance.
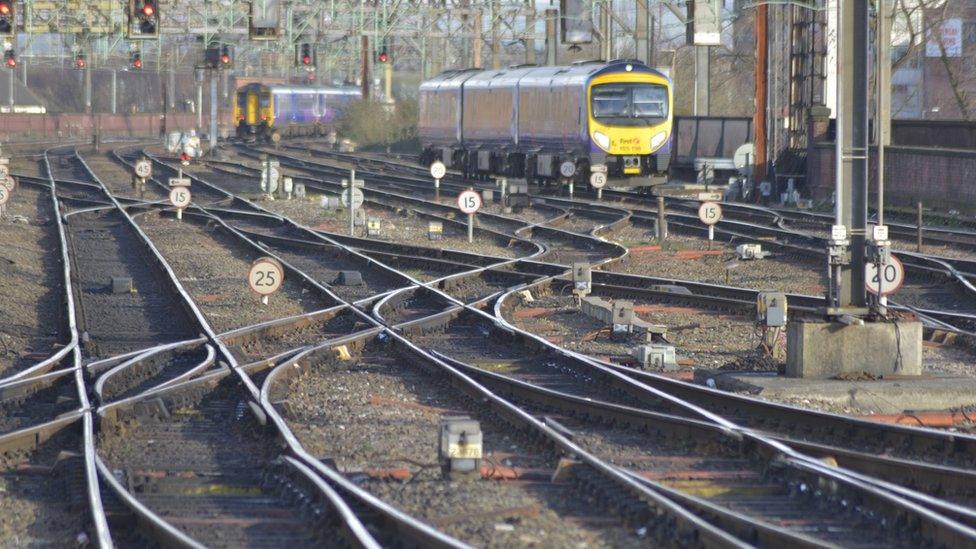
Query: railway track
347,304
275,354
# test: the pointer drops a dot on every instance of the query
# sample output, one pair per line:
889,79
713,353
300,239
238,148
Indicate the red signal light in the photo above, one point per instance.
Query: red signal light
4,8
384,57
137,63
184,157
306,60
225,59
11,62
148,10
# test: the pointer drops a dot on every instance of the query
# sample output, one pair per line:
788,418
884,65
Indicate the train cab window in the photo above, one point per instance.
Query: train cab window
265,100
629,104
242,100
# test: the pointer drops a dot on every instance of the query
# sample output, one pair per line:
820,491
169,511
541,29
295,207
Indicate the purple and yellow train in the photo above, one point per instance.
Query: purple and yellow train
263,111
551,123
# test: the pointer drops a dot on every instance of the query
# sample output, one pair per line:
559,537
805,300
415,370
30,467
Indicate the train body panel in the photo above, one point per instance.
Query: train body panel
290,110
440,109
525,122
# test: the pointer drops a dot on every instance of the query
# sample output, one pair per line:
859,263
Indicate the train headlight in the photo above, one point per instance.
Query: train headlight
602,140
658,140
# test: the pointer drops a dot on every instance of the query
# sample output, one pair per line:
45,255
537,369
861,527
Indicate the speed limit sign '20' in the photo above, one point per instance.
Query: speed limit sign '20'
179,197
469,202
265,276
888,280
710,213
438,170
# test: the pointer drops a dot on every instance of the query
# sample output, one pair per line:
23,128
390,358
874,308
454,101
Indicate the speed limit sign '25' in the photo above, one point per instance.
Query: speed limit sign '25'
265,276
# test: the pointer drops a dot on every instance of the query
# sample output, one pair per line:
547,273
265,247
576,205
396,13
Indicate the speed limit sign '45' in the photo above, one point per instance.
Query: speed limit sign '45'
265,276
888,280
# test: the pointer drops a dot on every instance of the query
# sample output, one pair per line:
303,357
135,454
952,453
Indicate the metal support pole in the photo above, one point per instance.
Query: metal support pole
762,68
496,41
388,81
883,114
10,95
701,80
662,220
364,69
606,29
852,147
88,90
476,44
199,107
172,85
470,227
552,16
641,35
530,33
214,75
918,227
115,91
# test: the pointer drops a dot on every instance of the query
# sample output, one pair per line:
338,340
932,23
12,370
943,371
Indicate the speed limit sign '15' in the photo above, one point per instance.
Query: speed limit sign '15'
469,202
265,276
710,213
180,197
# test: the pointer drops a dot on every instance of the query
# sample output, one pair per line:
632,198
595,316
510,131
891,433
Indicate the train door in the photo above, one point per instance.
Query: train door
251,108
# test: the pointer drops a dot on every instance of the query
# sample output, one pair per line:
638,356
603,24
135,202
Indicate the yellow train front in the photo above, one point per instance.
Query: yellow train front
551,124
262,111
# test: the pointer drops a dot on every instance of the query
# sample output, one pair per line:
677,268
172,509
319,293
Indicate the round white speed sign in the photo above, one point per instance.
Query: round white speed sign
888,281
357,197
143,168
179,197
598,180
567,168
469,202
4,195
265,276
710,213
9,182
438,170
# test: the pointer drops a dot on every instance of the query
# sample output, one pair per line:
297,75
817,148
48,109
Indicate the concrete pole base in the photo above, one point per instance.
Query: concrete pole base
824,349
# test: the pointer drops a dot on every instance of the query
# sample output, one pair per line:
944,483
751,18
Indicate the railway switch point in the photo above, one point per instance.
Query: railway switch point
655,356
460,449
121,285
750,251
350,278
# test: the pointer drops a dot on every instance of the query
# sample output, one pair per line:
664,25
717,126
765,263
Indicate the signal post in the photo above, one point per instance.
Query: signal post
855,332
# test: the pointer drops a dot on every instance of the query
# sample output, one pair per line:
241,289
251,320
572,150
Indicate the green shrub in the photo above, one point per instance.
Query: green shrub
372,125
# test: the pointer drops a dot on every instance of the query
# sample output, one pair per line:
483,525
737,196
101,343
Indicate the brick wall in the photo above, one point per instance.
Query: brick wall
31,127
937,177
